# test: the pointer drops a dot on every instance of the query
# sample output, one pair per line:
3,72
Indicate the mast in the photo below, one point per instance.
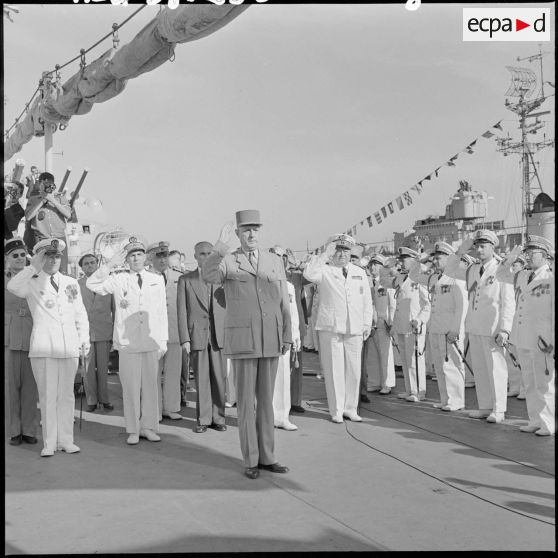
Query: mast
523,86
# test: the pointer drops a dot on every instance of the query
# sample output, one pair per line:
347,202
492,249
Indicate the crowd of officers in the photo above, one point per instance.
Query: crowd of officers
243,317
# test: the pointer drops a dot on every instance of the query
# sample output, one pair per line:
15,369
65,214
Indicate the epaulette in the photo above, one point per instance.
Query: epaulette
34,276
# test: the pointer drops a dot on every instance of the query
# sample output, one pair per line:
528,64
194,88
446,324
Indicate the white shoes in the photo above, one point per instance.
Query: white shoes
69,448
337,418
438,406
133,439
353,416
385,391
544,432
286,425
495,418
412,398
173,416
403,395
480,414
521,396
47,452
529,429
372,390
513,393
149,435
450,408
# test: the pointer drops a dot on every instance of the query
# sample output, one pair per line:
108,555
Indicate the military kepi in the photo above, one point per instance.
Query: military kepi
248,217
538,243
485,235
50,246
133,245
159,248
13,244
378,258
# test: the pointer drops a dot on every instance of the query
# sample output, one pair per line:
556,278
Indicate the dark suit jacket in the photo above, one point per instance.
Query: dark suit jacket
194,313
258,319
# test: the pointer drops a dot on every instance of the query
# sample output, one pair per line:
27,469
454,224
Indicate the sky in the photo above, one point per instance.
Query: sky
317,115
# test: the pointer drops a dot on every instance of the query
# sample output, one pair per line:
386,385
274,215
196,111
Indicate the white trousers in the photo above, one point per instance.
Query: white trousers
379,361
55,383
515,379
406,342
428,357
138,375
340,356
450,374
230,389
539,387
282,389
491,373
168,379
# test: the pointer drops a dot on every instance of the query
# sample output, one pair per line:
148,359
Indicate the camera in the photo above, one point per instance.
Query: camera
49,188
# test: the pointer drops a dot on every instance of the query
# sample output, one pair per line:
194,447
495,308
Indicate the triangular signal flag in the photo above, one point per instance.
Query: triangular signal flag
519,25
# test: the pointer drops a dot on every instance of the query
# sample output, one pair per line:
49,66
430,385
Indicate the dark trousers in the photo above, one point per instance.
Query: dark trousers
255,380
210,369
296,381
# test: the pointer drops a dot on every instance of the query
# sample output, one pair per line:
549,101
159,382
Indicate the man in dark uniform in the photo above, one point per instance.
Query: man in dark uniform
257,331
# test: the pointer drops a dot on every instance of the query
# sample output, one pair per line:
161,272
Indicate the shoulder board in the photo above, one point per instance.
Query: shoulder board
35,276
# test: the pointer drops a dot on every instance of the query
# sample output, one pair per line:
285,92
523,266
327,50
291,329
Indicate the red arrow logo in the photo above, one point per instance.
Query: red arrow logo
519,25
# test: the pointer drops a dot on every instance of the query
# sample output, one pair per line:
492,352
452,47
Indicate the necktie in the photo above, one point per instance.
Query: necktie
53,283
345,272
140,280
481,271
531,277
164,277
252,260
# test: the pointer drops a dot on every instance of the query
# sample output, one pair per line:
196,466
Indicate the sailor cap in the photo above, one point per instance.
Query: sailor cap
343,240
443,248
161,247
13,244
279,250
538,243
485,235
133,245
405,252
50,246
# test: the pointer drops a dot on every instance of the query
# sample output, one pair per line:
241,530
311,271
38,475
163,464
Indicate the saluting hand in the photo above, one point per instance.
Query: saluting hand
117,258
38,260
466,245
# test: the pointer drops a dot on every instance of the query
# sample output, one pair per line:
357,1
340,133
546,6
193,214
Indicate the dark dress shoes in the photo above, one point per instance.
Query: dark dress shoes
29,439
108,407
252,472
91,408
16,440
364,398
200,429
274,468
219,427
297,409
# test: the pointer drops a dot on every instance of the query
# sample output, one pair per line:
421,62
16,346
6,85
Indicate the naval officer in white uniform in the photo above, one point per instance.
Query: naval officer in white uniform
343,323
448,300
488,323
533,332
141,332
60,331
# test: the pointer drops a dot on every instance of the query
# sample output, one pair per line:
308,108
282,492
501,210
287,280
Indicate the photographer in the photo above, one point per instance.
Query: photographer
13,212
47,213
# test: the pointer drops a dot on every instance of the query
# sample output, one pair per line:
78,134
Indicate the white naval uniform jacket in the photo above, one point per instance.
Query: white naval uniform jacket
345,304
448,301
383,300
171,289
293,309
491,302
411,302
60,323
534,312
141,322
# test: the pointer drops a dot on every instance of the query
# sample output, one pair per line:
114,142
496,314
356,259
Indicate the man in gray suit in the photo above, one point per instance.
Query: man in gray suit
257,331
201,330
